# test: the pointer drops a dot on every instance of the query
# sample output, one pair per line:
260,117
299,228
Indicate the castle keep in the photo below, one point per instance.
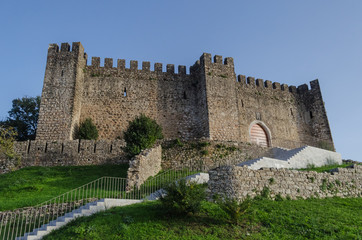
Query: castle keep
208,102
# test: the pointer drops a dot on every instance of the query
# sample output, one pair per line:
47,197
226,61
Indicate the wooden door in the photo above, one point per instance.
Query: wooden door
258,135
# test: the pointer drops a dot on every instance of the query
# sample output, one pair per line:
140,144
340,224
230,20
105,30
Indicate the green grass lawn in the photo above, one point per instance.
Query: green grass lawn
332,218
326,168
33,185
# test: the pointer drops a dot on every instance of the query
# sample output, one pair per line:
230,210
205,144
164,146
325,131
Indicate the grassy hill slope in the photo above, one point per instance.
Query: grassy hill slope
332,218
33,185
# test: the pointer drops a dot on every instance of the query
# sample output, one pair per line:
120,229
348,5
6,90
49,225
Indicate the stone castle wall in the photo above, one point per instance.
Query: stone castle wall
144,165
70,152
239,182
208,102
114,96
89,152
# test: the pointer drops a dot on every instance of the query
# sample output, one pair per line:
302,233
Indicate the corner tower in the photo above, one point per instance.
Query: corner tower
61,95
220,81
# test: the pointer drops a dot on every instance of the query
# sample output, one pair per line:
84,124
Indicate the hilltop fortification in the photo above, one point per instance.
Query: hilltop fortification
210,101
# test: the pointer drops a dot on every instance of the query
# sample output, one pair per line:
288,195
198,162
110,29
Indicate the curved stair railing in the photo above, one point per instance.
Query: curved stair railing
16,223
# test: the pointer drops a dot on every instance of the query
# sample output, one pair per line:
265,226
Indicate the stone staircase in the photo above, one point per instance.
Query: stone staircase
97,206
295,158
86,210
282,158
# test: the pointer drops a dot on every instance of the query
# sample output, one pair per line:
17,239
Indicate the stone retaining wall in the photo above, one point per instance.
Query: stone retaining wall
239,182
144,165
206,155
88,152
66,153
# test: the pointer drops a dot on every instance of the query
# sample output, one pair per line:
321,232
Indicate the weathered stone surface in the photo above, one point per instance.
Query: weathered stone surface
87,152
238,182
208,102
215,154
65,153
144,165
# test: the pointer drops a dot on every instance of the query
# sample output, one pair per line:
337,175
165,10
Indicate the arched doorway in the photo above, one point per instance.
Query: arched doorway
259,134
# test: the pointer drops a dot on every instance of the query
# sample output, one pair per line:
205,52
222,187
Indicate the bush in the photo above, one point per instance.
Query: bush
7,139
184,197
142,133
233,208
87,130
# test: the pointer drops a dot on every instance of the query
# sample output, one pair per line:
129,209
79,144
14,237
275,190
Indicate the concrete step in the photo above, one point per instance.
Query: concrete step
96,206
295,158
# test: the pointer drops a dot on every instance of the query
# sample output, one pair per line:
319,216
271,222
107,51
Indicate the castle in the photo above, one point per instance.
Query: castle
209,102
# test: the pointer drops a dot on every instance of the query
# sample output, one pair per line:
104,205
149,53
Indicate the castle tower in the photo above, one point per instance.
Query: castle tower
220,80
316,116
61,96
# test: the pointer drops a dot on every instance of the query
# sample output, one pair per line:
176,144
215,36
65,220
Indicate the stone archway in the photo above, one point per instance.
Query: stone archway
259,134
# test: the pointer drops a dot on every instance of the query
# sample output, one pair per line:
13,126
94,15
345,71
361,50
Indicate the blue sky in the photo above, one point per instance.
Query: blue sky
290,42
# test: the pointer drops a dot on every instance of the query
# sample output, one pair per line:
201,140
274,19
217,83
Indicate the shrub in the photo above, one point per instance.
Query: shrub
204,152
278,197
183,197
142,133
7,138
264,194
233,208
177,142
87,130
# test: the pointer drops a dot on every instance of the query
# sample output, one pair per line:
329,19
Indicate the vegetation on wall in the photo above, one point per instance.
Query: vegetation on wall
87,130
141,133
7,138
23,117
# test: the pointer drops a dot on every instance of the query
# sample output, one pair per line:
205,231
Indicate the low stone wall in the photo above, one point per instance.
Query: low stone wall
201,155
239,182
205,155
63,153
144,165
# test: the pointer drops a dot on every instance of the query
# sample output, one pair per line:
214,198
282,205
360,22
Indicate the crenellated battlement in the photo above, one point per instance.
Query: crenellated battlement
218,60
66,48
260,84
208,101
109,67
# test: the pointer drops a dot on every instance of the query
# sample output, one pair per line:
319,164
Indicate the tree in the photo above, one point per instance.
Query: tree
23,117
7,138
87,130
142,133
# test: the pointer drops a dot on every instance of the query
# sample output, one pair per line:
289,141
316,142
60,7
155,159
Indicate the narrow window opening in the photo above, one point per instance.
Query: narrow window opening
311,114
62,148
79,146
242,103
125,92
291,112
62,73
28,150
258,116
185,96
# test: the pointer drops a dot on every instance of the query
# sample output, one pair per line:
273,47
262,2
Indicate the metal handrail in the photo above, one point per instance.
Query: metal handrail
15,223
